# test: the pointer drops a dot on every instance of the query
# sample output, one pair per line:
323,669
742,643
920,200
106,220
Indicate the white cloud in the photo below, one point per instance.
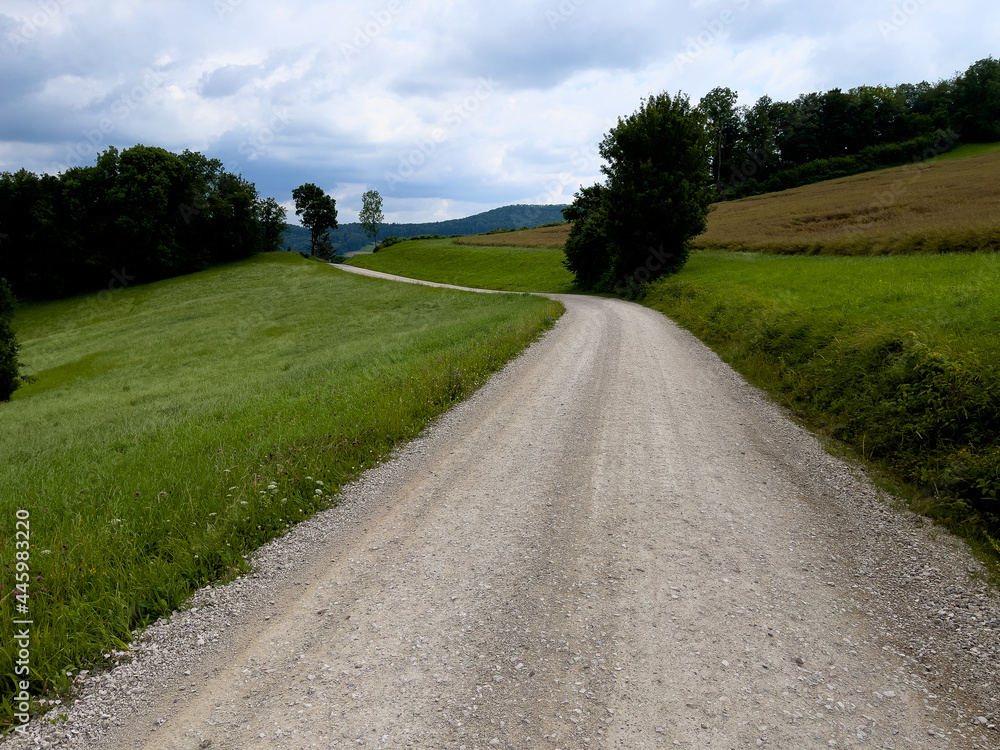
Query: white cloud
390,93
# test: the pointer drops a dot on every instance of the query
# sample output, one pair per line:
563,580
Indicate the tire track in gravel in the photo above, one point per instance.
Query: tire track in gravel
615,543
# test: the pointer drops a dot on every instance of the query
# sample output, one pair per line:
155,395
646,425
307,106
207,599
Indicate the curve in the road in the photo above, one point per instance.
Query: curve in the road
616,543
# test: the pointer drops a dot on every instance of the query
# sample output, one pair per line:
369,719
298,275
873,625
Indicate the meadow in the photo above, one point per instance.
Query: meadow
173,428
894,357
897,358
949,203
497,265
543,237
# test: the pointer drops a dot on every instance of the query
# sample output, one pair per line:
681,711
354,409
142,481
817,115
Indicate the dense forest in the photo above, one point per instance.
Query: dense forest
777,145
348,238
134,216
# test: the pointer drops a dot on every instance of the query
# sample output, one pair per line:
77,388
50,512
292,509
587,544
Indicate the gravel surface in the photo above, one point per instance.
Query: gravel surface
616,543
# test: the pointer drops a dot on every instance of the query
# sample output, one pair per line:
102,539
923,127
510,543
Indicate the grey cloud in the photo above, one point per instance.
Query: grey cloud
227,80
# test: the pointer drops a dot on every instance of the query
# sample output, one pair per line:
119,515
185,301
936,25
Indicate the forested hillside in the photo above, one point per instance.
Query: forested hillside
350,237
822,135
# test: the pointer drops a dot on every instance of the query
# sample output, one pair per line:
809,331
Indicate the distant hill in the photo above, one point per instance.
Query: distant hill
348,238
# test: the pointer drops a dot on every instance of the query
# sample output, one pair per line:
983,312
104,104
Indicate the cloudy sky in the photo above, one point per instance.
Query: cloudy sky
446,107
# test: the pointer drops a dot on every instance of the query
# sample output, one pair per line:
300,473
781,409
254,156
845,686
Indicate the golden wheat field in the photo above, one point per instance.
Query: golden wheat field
935,206
946,205
538,237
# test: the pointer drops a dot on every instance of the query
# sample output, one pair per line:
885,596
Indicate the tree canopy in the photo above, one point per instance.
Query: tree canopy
768,145
371,217
143,213
637,225
319,214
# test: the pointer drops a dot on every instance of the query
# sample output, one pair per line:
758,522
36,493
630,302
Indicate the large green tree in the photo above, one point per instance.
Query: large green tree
371,217
977,102
656,197
724,123
271,215
319,215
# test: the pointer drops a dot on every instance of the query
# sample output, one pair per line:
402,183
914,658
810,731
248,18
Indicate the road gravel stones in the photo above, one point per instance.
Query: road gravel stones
616,543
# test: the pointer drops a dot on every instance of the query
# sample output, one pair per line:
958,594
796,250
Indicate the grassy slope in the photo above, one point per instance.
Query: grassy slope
522,269
969,149
176,426
550,237
899,357
944,204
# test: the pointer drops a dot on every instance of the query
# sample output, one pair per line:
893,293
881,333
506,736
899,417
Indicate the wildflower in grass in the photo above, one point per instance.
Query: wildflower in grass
319,492
320,483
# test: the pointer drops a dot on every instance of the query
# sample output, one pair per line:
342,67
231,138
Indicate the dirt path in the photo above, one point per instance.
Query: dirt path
616,543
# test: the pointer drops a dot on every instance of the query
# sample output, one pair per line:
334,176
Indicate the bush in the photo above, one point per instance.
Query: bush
10,367
387,242
868,159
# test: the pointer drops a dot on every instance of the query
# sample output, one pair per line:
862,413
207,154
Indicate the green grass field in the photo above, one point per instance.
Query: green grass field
969,149
174,427
898,357
518,269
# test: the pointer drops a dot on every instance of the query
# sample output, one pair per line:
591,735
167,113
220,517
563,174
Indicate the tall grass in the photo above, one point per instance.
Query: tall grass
173,428
519,269
898,357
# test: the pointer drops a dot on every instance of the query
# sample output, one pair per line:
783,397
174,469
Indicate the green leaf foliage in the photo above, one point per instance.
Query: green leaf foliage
319,214
136,215
637,225
371,217
10,371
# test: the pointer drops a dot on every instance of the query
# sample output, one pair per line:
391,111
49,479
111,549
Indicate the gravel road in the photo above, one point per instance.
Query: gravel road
616,543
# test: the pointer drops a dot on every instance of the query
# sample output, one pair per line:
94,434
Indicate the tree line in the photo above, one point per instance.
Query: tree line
669,161
821,135
135,216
